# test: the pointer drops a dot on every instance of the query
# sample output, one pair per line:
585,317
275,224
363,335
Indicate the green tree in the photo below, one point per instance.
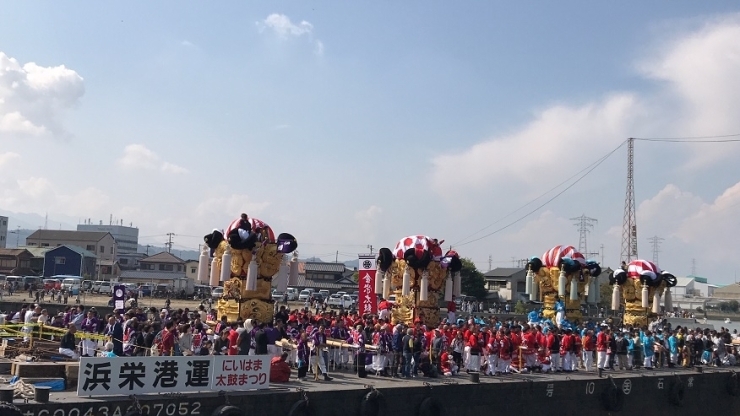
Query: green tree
472,281
356,276
519,308
733,305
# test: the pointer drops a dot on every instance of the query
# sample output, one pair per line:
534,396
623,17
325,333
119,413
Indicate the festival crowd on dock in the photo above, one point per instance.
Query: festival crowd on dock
344,341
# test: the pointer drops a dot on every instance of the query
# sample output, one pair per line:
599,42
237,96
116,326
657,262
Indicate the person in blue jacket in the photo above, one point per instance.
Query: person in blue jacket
630,351
673,349
533,317
559,311
647,349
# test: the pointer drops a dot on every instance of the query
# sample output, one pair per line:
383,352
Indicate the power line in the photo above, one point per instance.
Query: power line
595,165
692,139
598,161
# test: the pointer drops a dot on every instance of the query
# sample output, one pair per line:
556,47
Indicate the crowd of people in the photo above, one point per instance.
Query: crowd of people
345,341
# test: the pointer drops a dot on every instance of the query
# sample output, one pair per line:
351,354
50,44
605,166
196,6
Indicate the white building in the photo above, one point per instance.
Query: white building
3,232
693,287
127,238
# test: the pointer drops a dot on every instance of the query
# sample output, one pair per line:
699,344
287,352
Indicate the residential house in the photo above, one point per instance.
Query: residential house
69,260
191,269
333,277
37,261
151,277
508,282
99,242
163,262
15,261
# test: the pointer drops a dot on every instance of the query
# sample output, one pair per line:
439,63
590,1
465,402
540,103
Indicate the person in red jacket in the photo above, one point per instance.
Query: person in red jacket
567,347
553,350
504,352
589,347
517,359
602,344
529,344
279,369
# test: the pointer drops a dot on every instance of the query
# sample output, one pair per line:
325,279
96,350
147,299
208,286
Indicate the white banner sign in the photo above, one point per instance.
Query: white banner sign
137,375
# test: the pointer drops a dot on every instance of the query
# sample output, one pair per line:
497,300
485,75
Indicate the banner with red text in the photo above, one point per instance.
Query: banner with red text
367,303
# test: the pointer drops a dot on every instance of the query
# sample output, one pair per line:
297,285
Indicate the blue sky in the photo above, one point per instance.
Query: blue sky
354,124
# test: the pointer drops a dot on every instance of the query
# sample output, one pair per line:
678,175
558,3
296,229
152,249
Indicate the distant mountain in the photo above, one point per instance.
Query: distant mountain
17,236
352,264
31,221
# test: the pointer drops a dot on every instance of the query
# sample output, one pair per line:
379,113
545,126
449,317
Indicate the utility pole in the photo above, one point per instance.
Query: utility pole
147,250
169,242
693,267
629,224
336,258
370,246
655,241
490,262
584,225
17,233
602,254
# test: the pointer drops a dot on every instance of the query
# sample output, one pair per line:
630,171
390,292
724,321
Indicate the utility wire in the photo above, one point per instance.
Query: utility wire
530,202
695,139
594,166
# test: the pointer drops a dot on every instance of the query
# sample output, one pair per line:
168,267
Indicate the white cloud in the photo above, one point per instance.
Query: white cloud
370,214
229,207
284,28
33,98
547,144
139,157
319,48
187,44
173,168
40,194
8,158
698,72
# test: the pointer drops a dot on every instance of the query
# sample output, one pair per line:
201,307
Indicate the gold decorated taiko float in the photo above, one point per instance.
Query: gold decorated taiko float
638,287
246,258
419,276
562,273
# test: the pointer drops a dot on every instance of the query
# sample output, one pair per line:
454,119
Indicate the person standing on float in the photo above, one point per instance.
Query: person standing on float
559,311
648,344
602,344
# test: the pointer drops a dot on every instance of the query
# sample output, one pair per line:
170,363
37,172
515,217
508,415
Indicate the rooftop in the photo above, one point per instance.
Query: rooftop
37,251
163,257
318,267
145,275
79,250
12,251
67,235
503,272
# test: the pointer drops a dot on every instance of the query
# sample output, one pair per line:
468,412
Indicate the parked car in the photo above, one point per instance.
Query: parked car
304,296
277,296
217,292
318,297
52,284
106,288
324,293
96,286
340,301
355,297
292,294
146,290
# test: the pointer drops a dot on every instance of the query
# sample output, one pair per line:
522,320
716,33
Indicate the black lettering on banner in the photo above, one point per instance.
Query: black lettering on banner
166,374
132,373
97,374
198,374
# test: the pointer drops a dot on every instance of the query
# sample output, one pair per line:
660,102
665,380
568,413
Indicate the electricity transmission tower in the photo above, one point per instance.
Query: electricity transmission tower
655,241
629,225
584,225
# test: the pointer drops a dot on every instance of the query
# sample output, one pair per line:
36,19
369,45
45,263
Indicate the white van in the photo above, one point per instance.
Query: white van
71,284
106,288
292,294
